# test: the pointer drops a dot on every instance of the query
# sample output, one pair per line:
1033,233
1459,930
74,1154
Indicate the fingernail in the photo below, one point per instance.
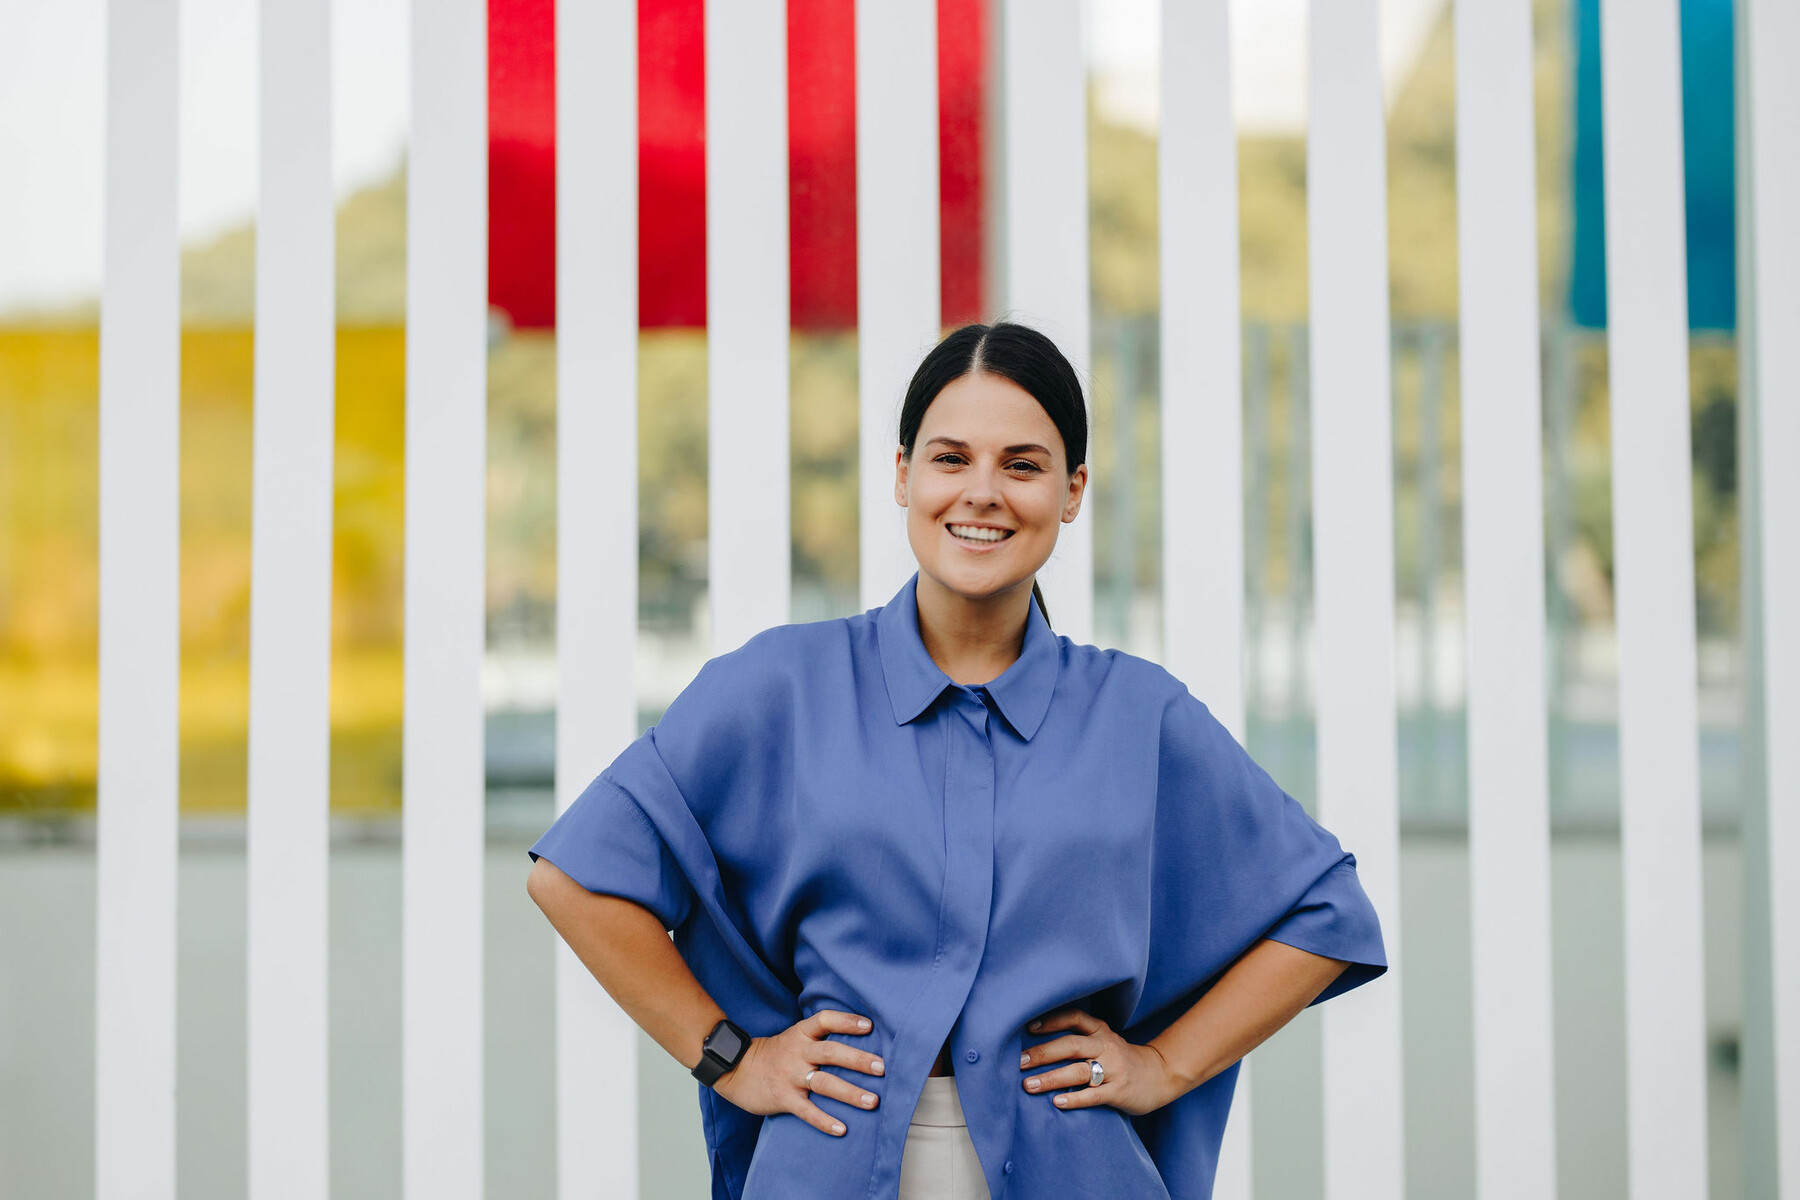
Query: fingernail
862,1023
837,1127
868,1099
1061,1101
1031,1085
877,1067
1034,1025
1024,1060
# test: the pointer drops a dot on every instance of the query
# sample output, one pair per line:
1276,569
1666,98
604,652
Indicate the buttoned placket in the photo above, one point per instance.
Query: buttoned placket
968,894
992,1093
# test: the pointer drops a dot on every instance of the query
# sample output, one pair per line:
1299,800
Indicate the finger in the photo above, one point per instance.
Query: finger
1076,1075
815,1116
1087,1097
1056,1018
1068,1017
830,1020
1059,1050
839,1055
824,1083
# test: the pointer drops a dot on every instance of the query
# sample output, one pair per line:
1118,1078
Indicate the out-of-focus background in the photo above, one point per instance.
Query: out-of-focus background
51,141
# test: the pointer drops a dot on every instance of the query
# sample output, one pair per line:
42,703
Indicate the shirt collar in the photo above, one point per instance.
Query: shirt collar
914,680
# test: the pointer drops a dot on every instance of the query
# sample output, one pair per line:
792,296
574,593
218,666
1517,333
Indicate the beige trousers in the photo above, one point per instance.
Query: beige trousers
939,1162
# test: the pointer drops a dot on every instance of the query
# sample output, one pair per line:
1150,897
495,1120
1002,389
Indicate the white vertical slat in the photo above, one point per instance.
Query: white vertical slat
1653,548
140,623
1772,48
1044,155
446,448
288,834
1202,406
1202,371
1353,572
747,543
1503,557
897,258
596,540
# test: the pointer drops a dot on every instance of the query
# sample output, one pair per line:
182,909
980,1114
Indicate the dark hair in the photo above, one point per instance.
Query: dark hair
1011,351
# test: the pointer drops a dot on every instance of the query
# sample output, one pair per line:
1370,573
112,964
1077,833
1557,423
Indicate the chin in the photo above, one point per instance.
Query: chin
975,581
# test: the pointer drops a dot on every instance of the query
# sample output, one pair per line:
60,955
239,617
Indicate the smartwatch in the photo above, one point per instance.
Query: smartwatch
721,1051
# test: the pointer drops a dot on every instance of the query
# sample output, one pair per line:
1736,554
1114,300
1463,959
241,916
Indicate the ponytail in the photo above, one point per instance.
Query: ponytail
1038,595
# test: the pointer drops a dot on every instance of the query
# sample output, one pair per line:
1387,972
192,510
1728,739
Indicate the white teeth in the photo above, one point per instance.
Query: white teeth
973,533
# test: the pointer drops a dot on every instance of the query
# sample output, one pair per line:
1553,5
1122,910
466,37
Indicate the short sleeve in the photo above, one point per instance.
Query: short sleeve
1336,919
604,842
1237,860
681,822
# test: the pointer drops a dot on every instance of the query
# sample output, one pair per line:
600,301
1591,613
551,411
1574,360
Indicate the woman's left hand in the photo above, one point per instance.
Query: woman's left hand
1137,1078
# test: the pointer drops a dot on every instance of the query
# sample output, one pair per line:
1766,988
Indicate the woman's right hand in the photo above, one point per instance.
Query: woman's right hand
772,1075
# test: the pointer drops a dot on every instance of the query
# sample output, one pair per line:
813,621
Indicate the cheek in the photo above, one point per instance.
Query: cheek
920,515
929,498
1042,507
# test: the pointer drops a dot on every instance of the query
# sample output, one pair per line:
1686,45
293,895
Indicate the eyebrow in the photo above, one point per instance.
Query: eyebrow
958,444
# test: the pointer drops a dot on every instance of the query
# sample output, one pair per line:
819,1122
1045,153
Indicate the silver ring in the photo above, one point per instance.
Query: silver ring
1096,1073
807,1082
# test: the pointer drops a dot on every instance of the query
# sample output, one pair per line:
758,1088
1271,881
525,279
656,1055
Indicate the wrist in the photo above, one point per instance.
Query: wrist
720,1052
1176,1082
727,1083
688,1046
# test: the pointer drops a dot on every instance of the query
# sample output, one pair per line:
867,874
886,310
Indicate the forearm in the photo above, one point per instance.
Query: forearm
626,948
1261,992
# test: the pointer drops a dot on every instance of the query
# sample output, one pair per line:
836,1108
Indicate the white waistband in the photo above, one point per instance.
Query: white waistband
939,1103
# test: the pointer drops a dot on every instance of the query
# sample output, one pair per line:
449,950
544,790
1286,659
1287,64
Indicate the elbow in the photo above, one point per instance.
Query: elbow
541,883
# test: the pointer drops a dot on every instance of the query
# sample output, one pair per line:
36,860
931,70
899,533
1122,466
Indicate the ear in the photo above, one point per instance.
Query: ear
900,466
1077,489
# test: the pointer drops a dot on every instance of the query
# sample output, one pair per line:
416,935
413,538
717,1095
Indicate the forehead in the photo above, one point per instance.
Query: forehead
988,409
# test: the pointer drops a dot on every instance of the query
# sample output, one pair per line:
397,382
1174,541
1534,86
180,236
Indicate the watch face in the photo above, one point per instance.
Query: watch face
726,1043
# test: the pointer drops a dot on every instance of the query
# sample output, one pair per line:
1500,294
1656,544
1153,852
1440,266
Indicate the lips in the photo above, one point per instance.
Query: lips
985,535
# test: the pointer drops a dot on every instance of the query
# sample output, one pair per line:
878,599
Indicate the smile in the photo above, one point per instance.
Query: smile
978,535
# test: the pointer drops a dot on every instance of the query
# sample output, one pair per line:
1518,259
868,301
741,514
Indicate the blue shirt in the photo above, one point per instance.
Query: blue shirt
826,820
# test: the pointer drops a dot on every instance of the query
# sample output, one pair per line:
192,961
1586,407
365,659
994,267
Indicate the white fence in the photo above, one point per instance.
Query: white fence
1043,169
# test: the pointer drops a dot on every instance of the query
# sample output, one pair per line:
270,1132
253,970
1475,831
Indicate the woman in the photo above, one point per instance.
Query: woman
903,851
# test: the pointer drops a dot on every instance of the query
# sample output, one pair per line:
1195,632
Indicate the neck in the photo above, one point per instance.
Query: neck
972,640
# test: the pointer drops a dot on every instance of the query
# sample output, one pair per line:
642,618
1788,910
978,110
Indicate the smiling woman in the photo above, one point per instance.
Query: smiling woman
863,834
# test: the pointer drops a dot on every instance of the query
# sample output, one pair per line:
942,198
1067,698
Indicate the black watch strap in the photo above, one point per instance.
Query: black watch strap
722,1050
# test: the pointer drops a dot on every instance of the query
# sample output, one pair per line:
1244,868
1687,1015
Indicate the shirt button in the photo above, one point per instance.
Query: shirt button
1008,1167
974,1056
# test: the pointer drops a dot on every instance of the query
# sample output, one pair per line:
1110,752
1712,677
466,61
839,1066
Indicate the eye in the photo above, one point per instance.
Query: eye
955,459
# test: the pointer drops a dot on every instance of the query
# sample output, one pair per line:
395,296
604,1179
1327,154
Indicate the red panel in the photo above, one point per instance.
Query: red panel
962,74
672,160
671,163
522,160
822,162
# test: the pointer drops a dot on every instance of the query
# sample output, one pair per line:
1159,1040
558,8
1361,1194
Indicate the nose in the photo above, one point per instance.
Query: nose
982,489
